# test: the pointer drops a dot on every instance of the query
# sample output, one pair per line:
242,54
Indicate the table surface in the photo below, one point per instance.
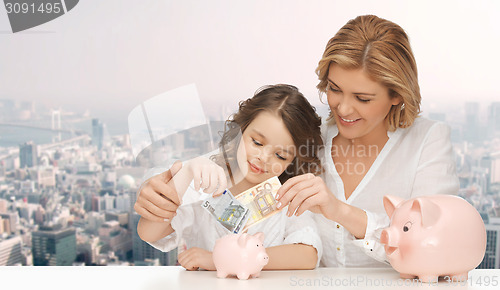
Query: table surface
173,277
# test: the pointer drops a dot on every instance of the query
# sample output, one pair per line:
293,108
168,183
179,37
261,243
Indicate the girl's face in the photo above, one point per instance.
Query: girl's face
266,148
358,104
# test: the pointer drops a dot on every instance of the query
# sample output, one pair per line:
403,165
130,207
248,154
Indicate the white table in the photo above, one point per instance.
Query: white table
166,278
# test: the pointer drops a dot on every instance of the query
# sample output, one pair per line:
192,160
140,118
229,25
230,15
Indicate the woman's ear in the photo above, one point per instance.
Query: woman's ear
397,100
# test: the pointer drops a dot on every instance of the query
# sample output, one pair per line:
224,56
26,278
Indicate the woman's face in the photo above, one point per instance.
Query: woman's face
266,148
358,103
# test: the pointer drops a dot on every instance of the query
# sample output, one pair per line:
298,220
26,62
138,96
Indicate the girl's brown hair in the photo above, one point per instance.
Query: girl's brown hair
382,49
299,117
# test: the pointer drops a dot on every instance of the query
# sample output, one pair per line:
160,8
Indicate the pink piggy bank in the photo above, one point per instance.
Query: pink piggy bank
433,236
242,255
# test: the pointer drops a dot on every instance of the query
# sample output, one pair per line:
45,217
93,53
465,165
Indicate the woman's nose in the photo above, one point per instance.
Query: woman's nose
344,107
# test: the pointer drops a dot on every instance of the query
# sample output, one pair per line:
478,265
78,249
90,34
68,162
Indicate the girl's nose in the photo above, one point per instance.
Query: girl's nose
265,154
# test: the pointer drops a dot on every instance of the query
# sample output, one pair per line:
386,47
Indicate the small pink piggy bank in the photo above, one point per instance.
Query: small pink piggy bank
433,236
242,255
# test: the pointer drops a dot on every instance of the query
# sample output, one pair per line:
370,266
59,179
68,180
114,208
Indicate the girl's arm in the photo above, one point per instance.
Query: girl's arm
291,257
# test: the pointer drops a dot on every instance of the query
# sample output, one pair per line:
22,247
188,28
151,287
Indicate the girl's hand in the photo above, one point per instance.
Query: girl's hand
157,201
207,175
195,258
307,192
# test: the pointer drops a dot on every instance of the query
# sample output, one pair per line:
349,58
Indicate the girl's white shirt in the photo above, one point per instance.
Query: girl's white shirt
198,228
415,161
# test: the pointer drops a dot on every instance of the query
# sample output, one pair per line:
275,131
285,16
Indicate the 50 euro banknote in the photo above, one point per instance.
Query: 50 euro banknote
250,207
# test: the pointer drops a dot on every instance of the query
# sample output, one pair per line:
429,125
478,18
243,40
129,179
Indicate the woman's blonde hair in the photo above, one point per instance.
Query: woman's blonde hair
382,49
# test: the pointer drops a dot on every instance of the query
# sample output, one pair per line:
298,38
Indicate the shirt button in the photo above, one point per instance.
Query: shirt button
338,248
338,226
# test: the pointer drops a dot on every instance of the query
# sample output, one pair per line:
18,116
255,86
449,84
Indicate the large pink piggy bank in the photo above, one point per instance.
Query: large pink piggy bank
433,236
242,255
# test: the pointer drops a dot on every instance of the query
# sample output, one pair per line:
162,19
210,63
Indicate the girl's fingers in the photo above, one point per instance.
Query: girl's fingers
197,179
205,177
213,181
222,182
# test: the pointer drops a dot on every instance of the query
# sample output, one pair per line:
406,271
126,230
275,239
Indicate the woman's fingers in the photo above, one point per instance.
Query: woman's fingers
309,203
155,210
147,215
289,195
291,183
156,198
303,193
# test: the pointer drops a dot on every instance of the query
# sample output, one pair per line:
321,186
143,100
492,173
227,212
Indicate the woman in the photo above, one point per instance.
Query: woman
375,143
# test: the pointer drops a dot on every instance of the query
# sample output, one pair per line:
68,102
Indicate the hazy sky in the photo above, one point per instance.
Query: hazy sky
109,56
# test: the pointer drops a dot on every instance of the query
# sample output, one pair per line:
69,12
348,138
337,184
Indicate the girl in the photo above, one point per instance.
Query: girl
375,144
280,136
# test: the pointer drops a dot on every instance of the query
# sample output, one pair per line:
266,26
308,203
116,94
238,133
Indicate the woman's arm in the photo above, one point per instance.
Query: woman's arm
291,257
206,175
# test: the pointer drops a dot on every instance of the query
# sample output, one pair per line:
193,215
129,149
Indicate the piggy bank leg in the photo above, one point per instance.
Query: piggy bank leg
256,275
243,276
406,276
221,274
459,277
428,278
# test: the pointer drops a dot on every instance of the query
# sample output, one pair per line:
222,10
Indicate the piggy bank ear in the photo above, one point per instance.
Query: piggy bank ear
242,240
259,236
429,210
390,203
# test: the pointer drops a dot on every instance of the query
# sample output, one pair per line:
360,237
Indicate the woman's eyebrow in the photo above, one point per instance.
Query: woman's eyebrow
366,94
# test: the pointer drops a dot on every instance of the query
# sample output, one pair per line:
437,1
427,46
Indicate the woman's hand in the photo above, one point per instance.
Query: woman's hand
307,192
207,175
157,200
195,258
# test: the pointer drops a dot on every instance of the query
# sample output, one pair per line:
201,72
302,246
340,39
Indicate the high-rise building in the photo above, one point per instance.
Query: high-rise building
491,258
10,220
10,251
3,205
54,246
142,251
28,155
494,119
471,128
97,133
495,168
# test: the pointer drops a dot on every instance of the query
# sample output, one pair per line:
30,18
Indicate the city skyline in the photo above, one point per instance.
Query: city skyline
114,59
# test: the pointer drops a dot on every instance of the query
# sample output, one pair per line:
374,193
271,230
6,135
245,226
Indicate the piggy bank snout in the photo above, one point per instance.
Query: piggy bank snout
389,237
264,258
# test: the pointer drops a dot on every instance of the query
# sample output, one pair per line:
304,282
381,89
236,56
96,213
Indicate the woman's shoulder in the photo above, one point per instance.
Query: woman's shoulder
423,127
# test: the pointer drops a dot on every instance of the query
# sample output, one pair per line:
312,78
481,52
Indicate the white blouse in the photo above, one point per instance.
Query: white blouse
198,228
415,161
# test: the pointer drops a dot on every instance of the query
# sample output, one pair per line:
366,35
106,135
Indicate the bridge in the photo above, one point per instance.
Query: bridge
56,130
